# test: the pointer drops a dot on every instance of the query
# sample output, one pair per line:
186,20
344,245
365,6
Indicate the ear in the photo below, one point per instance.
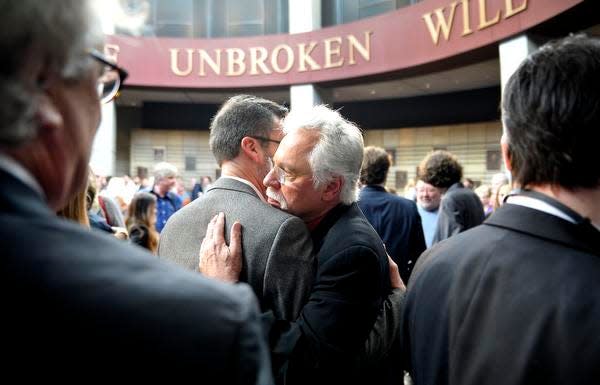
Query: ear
47,116
332,190
249,147
505,152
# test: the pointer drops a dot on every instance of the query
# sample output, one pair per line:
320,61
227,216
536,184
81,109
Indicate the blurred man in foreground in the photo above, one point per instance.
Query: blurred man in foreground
515,301
76,301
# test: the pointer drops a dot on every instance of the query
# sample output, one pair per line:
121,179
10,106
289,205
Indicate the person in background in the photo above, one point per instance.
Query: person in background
498,180
97,212
468,183
410,190
77,302
460,208
167,202
484,192
503,191
110,202
141,221
395,218
180,191
76,209
428,204
201,187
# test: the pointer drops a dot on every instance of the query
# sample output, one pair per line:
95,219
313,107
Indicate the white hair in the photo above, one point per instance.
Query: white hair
164,170
339,151
54,33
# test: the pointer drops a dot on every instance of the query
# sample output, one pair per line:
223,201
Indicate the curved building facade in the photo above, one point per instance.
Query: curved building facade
415,75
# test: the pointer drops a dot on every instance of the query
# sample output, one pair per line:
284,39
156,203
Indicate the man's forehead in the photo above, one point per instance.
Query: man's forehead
295,147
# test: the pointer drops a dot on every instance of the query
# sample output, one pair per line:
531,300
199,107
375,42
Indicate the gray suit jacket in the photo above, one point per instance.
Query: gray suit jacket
278,261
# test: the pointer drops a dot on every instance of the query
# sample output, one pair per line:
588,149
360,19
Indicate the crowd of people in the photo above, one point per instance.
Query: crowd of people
284,270
133,209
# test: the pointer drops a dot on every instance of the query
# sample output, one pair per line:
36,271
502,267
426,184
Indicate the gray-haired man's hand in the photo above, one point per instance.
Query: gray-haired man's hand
217,259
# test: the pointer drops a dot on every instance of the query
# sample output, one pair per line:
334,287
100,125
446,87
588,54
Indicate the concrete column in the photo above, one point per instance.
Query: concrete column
104,149
512,53
304,16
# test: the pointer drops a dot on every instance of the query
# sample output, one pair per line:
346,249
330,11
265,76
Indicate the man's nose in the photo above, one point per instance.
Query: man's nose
271,179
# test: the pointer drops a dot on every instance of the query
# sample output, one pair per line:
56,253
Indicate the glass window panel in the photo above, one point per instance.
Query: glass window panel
368,8
174,18
245,18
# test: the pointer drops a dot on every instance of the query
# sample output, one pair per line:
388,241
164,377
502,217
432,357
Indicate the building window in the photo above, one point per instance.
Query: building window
190,163
245,18
344,11
493,160
142,172
367,8
174,18
401,179
160,154
228,18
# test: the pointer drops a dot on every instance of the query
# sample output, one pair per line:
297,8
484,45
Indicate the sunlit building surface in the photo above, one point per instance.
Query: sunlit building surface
415,75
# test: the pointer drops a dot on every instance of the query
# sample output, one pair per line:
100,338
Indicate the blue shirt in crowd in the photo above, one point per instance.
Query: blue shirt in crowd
165,207
429,223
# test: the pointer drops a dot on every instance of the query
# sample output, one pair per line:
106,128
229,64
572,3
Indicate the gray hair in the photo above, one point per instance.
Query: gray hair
238,117
164,170
339,151
55,34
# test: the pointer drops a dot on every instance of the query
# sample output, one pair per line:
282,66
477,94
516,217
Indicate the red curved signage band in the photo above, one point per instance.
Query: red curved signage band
426,32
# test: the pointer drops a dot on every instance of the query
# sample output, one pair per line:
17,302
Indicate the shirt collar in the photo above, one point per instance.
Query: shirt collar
256,190
14,168
539,205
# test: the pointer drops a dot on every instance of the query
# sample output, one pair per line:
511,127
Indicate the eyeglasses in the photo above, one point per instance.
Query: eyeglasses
111,80
280,175
262,138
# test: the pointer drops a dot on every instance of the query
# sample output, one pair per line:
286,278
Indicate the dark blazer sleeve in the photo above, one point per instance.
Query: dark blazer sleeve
416,245
386,331
290,270
335,323
449,220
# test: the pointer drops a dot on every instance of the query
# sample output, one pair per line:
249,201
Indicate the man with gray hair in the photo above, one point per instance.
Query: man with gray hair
315,174
278,262
80,302
167,202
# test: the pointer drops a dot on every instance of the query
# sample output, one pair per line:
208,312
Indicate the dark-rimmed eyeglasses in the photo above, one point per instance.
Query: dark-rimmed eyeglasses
263,139
111,79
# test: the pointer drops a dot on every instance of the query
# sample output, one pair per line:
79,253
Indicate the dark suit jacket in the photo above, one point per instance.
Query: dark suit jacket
514,301
398,223
460,209
351,284
79,301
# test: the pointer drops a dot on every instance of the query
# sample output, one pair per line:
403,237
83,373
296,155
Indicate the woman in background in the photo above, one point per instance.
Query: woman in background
76,209
141,221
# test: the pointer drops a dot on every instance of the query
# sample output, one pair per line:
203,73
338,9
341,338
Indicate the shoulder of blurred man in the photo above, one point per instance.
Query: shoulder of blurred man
86,298
514,263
